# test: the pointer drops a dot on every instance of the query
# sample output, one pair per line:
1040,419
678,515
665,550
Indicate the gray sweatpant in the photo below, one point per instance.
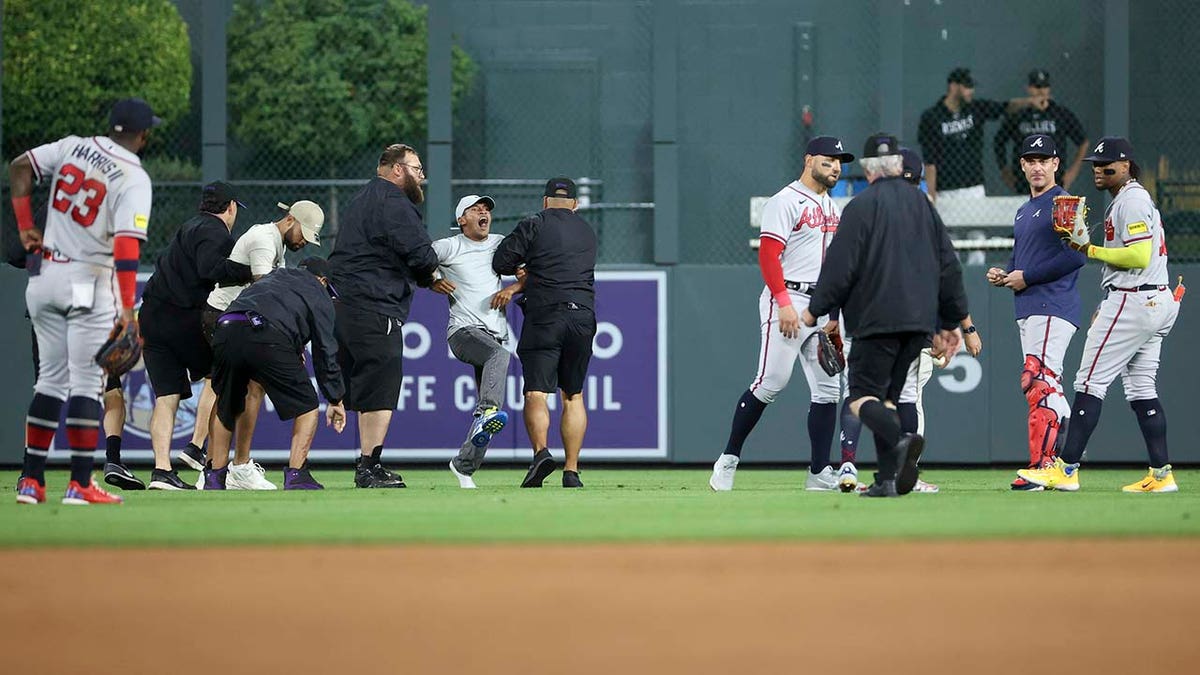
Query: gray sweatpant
478,348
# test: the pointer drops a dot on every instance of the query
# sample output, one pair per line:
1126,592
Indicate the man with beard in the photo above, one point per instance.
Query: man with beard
381,249
798,224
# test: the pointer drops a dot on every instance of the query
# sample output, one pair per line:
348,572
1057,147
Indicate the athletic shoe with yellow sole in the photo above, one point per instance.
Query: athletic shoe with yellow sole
1057,476
1156,480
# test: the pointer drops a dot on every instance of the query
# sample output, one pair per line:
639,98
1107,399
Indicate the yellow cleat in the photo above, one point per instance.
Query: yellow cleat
1056,476
1156,480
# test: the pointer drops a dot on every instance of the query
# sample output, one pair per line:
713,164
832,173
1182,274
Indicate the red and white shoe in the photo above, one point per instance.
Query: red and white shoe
29,491
925,488
77,495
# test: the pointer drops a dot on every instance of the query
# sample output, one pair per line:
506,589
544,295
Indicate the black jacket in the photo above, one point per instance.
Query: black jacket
194,263
891,266
295,304
382,248
558,249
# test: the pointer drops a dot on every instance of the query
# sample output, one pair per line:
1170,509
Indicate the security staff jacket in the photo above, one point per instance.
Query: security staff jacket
297,307
558,249
953,141
382,249
891,266
194,263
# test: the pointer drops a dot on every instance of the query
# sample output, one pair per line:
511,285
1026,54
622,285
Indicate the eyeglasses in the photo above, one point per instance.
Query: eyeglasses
419,168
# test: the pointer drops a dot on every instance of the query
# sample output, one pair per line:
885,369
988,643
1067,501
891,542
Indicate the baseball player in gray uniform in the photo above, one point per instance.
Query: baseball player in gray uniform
1126,335
83,279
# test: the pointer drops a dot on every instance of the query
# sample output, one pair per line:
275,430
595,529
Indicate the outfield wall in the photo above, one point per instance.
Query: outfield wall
974,410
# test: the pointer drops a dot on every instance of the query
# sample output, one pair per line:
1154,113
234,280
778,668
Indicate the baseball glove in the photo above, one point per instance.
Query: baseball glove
829,353
1070,221
121,351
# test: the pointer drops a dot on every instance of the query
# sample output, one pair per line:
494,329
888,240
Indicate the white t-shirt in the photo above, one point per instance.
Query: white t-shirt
468,265
805,222
99,190
261,247
1131,218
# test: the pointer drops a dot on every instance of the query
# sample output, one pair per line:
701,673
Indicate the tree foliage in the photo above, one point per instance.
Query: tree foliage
66,62
315,84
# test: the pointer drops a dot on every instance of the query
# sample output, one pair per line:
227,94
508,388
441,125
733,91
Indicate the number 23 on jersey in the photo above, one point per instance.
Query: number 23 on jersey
71,183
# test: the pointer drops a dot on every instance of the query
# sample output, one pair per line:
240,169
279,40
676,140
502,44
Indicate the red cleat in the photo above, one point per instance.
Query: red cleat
29,491
77,495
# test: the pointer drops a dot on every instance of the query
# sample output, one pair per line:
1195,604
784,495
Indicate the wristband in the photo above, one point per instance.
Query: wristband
783,299
24,211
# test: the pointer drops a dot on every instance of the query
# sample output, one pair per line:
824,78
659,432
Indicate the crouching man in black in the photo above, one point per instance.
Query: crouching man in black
261,337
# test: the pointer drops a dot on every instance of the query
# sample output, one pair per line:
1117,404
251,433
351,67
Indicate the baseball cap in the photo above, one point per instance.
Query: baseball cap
881,145
1039,78
1039,145
310,216
561,187
319,267
961,76
222,192
1114,149
131,115
914,166
471,200
828,146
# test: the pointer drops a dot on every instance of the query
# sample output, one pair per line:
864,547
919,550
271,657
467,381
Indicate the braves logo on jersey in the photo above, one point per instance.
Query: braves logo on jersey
816,218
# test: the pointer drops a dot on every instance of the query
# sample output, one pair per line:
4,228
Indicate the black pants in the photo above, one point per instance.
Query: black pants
556,347
371,355
242,353
878,364
175,351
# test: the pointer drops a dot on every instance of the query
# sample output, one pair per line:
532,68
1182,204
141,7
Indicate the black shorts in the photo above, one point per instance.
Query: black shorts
175,351
242,353
370,352
208,322
555,348
878,365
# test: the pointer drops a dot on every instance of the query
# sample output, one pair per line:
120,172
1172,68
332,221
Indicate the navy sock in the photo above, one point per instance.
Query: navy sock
1153,420
1085,415
83,432
749,409
851,430
822,420
112,449
908,417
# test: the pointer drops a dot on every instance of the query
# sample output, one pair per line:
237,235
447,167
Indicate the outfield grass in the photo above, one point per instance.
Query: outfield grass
616,505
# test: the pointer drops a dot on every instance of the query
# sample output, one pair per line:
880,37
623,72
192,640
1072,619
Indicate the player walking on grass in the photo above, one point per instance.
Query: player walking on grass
84,281
1126,335
478,328
798,224
1042,274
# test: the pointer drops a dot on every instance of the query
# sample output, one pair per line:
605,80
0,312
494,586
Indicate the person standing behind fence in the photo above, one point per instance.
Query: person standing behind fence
382,248
951,137
1044,116
558,249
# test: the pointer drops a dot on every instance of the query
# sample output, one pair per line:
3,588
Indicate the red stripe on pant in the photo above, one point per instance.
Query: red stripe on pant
38,438
762,370
1124,297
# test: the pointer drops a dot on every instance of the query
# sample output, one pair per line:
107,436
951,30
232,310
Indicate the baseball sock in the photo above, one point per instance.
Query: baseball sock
376,455
1153,421
749,409
198,450
908,417
822,420
83,431
1085,416
885,424
40,425
112,449
851,430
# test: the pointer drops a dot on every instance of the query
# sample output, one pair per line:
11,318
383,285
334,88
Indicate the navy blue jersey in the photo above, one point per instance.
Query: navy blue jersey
1051,267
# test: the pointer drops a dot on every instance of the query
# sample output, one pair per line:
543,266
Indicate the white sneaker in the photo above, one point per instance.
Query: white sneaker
826,481
248,476
848,477
722,475
925,488
464,481
200,481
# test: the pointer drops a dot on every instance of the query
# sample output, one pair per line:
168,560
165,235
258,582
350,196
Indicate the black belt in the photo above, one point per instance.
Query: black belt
1139,289
801,286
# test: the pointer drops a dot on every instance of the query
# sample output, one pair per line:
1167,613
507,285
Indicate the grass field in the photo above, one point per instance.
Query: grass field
626,505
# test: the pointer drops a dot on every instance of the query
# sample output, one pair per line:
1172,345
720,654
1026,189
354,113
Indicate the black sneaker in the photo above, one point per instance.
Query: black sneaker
168,480
371,474
118,475
886,488
571,479
909,449
193,457
543,465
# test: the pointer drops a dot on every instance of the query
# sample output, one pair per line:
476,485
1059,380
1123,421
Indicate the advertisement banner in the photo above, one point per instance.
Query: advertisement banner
625,391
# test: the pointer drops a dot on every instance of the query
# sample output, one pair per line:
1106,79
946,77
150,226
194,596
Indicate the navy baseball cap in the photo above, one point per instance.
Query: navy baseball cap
1039,145
1114,149
881,145
1039,78
132,115
222,193
829,147
913,165
561,187
961,76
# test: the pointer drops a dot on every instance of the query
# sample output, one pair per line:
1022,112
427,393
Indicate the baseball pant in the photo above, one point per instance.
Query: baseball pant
1047,337
919,373
1125,339
73,307
777,355
480,349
